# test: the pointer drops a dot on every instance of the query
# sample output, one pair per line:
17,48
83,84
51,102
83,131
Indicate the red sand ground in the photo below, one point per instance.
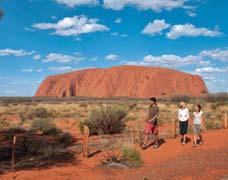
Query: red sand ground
171,161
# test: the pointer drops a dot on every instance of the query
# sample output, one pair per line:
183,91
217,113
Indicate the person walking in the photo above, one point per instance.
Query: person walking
197,125
151,126
183,116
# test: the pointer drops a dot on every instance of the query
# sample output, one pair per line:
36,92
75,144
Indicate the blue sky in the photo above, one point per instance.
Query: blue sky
45,37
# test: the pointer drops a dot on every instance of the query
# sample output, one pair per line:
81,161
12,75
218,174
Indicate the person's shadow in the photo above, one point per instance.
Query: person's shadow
160,143
188,140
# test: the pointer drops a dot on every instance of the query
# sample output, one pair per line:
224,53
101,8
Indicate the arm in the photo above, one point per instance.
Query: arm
178,115
150,120
188,114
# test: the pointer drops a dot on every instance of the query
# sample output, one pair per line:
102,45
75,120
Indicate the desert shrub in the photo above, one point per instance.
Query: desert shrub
132,106
81,125
179,98
213,124
217,97
65,139
107,120
214,106
130,117
83,105
53,131
3,124
31,114
131,156
49,151
42,125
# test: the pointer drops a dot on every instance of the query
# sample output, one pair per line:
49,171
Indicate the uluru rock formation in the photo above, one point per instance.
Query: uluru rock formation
127,81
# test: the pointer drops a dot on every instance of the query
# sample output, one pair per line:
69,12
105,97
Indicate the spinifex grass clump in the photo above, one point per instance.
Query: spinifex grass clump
131,156
107,120
127,157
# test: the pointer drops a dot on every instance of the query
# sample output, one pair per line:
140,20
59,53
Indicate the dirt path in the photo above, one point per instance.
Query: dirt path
170,161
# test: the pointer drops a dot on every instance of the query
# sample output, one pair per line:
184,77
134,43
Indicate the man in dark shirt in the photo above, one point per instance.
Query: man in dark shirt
151,126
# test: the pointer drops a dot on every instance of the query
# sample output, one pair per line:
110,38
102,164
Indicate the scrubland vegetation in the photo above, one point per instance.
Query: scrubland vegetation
46,126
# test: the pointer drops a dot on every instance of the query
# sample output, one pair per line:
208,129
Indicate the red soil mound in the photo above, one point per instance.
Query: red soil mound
128,81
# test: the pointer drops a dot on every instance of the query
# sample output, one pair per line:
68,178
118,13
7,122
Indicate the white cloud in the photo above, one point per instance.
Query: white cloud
63,58
39,70
64,68
218,54
155,27
171,60
118,34
118,20
174,60
209,78
155,5
191,31
73,26
29,29
210,70
78,39
27,70
12,52
191,13
36,57
53,17
111,57
73,3
94,59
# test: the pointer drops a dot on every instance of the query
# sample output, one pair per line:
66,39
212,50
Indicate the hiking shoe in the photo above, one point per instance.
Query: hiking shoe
194,145
143,146
201,142
155,146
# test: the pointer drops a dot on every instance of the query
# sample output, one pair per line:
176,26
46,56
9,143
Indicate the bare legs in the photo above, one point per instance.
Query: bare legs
200,138
145,141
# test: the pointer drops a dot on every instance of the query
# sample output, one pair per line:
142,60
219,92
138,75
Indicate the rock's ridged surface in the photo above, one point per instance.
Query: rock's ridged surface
128,81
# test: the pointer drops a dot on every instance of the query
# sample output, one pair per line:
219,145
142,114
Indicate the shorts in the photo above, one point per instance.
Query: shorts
196,129
183,127
151,129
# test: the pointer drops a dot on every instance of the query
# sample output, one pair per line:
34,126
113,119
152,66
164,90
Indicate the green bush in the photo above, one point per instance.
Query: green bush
65,139
214,106
131,156
217,97
213,124
34,113
53,131
107,120
179,98
3,124
42,125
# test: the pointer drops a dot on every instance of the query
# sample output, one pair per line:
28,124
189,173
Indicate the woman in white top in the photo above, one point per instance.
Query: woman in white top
183,116
197,125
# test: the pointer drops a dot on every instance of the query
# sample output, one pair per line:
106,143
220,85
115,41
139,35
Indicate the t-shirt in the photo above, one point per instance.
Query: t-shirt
183,114
153,111
197,117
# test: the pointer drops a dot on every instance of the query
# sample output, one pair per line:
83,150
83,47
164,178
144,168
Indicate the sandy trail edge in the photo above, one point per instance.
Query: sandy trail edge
170,161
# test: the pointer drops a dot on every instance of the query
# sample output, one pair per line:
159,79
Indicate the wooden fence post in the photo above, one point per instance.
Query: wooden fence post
174,128
13,153
85,141
132,136
138,134
225,121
